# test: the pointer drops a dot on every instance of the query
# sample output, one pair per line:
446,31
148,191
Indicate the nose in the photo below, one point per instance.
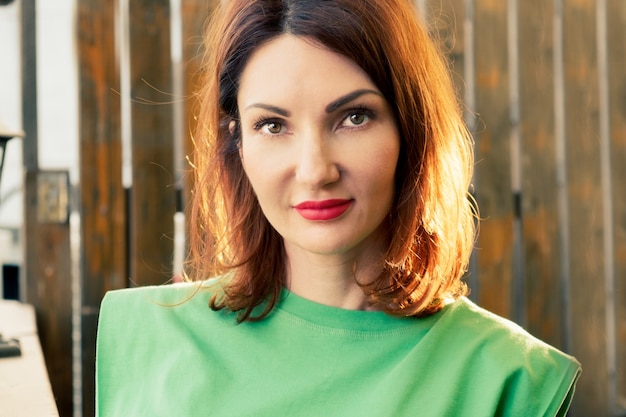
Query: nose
316,165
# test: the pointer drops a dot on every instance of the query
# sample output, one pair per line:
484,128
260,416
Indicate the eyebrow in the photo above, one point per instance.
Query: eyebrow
269,107
349,97
334,105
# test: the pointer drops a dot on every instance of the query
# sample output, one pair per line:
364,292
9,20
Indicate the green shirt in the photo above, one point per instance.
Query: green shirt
161,353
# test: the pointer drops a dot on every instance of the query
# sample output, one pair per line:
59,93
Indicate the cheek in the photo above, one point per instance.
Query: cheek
383,174
381,163
259,169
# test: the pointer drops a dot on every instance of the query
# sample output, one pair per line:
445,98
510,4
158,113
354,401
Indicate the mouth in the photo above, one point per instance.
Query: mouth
323,210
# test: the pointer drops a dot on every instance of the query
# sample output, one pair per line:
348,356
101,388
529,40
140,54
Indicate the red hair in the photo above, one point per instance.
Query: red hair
432,218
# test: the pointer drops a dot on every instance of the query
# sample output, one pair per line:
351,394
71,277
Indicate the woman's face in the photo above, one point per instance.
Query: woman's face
319,146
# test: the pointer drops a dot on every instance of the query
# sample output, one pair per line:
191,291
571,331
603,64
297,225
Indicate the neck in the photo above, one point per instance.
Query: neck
331,279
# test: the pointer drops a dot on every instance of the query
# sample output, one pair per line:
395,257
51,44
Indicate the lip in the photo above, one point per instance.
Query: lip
323,210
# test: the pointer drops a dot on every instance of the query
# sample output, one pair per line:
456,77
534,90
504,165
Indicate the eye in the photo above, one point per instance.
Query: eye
356,118
269,127
273,127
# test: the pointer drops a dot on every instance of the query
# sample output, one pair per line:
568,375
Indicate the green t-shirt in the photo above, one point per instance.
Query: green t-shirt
161,353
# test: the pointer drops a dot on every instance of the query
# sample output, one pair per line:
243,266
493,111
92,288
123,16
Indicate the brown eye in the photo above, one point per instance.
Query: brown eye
274,127
358,118
269,127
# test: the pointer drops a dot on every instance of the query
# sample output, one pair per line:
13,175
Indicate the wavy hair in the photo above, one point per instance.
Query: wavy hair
432,220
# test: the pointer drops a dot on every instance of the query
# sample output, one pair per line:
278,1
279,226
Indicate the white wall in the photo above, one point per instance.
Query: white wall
57,86
57,105
10,116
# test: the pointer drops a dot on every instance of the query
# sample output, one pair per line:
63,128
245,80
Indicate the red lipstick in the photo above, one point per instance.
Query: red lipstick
323,210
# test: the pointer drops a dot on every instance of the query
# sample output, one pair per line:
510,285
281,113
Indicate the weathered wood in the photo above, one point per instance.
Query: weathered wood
616,47
447,24
539,177
47,251
48,284
194,14
30,149
153,195
585,209
445,21
494,248
103,206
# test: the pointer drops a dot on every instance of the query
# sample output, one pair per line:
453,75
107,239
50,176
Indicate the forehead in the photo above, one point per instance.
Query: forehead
289,66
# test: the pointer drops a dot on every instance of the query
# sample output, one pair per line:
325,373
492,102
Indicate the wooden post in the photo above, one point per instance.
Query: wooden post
616,48
153,194
47,249
103,217
493,158
194,15
584,199
540,205
452,26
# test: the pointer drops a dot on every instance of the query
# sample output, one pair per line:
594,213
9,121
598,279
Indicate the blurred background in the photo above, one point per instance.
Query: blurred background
92,196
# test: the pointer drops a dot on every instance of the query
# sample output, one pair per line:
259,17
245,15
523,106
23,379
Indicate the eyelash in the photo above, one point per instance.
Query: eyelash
359,110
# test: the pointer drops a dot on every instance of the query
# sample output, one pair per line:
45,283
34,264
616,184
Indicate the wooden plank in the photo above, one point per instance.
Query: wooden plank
30,149
153,195
48,289
616,46
445,22
194,13
103,217
452,26
588,337
493,161
539,203
47,251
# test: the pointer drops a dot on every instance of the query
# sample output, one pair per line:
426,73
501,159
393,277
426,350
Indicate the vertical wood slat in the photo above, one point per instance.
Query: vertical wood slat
47,248
103,224
585,206
194,14
30,148
539,177
616,47
493,156
153,195
445,21
604,149
517,297
451,25
49,284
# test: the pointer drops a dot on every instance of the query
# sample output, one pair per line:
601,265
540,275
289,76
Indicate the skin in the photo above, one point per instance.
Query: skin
315,127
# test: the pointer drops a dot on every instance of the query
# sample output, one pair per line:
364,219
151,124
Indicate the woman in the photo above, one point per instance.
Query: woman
331,203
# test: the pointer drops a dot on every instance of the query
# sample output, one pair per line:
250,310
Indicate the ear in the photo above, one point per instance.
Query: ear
231,126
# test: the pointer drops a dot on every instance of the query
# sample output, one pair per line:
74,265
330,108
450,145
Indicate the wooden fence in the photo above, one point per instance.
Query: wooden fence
544,83
545,87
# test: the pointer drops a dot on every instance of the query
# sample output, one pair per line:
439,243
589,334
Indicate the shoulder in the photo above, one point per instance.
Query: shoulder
156,293
529,373
146,333
495,334
471,321
145,298
150,310
499,340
